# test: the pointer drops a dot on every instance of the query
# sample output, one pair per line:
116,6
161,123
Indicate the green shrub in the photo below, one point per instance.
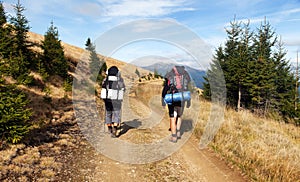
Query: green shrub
14,115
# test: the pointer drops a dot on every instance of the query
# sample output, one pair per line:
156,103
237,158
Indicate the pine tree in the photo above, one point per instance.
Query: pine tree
94,60
242,68
20,54
137,73
215,86
263,88
102,73
20,29
96,65
4,40
234,59
3,19
53,57
232,62
14,114
285,82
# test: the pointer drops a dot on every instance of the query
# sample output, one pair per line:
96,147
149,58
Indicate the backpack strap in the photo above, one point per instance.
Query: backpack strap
118,79
178,78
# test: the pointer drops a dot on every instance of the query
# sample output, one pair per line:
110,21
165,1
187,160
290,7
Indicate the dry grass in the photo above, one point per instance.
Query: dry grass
49,162
10,153
263,149
48,173
29,158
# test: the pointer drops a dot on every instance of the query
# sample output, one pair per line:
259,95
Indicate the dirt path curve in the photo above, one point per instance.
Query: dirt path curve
189,163
205,163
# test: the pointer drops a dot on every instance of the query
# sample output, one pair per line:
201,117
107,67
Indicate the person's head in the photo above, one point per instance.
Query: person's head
114,71
179,67
114,68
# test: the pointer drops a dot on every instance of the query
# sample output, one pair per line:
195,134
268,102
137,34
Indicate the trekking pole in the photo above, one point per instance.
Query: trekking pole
120,120
104,121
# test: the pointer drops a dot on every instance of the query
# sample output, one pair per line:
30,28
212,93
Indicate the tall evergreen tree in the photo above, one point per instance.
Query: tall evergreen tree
3,39
96,65
285,82
53,54
95,62
231,61
263,89
14,114
234,60
215,87
3,19
20,55
20,28
243,66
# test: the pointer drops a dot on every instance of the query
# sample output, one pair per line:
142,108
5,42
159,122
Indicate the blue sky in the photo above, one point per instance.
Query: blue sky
77,20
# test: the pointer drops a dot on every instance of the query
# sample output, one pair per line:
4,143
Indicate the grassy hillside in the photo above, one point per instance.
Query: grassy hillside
263,149
54,137
76,54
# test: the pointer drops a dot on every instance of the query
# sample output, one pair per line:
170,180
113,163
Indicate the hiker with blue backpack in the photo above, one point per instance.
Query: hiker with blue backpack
112,92
175,94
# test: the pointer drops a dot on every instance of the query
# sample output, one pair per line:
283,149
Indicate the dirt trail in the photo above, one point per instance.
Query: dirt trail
189,163
206,164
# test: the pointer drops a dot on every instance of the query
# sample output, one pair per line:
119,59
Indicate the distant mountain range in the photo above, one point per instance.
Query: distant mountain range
162,68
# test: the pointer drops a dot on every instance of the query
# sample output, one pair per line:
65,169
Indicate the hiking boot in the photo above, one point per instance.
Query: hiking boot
114,132
178,134
109,129
173,138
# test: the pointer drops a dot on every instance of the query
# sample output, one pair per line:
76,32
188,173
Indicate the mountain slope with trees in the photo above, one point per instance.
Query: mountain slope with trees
258,77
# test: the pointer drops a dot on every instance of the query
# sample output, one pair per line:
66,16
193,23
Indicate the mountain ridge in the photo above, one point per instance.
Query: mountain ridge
162,68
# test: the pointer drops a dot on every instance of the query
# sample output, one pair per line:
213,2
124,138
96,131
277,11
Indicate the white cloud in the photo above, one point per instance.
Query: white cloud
146,26
146,8
238,4
287,14
293,19
291,40
290,11
90,9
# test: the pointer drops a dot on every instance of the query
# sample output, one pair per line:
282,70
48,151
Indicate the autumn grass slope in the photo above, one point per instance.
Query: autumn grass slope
263,149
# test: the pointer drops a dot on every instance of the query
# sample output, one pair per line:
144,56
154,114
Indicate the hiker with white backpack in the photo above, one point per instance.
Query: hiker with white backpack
112,92
175,94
